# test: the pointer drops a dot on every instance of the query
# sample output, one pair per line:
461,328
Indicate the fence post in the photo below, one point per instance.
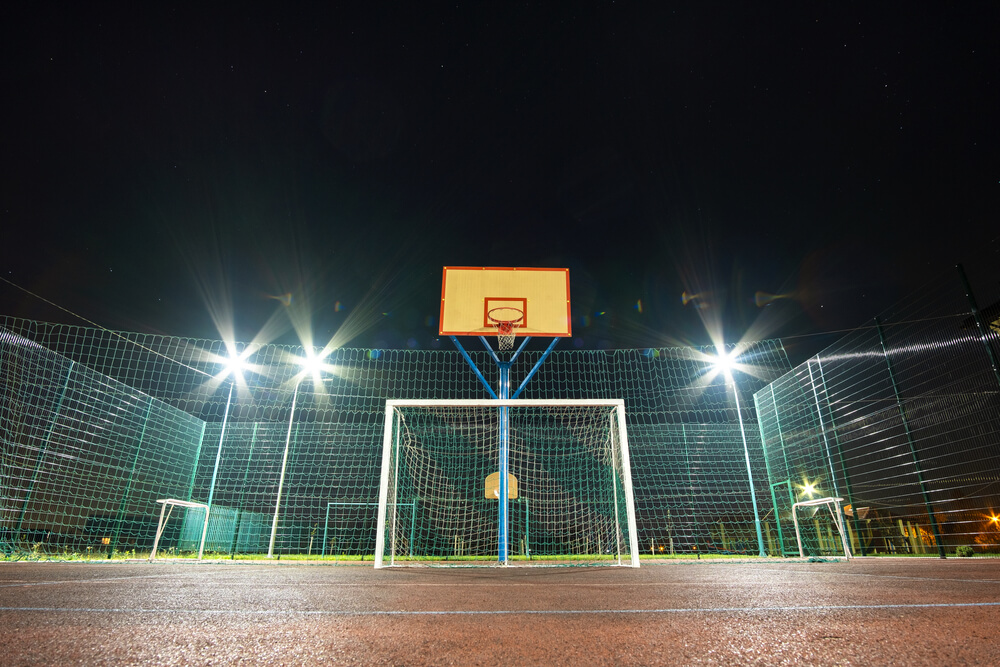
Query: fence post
43,450
979,321
909,440
687,462
767,459
128,486
243,489
753,493
840,452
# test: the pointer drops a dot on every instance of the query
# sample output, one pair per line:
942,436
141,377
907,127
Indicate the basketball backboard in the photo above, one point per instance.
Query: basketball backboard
492,486
470,294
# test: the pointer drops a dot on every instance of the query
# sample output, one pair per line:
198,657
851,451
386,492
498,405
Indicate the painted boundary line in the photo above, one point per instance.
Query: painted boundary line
501,612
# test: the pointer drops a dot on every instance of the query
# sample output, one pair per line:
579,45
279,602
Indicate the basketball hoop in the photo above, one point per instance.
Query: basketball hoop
506,320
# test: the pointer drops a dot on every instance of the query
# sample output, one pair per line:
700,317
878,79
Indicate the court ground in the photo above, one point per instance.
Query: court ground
865,612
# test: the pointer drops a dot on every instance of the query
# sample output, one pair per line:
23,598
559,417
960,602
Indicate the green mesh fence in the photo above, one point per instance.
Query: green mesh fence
901,418
142,418
84,457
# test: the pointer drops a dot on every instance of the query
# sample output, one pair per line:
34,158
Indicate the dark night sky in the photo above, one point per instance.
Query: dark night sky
163,164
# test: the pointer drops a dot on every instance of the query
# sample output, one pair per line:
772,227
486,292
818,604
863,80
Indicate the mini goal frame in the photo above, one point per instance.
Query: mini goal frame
832,504
165,516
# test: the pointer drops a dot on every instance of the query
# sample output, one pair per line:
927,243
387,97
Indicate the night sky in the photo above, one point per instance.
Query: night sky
185,170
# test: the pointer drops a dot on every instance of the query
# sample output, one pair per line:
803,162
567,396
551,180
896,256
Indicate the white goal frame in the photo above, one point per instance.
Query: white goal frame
387,444
832,504
165,516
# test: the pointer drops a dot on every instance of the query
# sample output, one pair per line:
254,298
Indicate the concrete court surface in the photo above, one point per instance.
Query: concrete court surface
864,612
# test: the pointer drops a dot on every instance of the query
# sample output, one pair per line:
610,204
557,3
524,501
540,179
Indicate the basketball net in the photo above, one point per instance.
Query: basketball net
506,321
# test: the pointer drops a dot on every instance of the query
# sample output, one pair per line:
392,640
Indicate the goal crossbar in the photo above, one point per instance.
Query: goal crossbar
620,466
165,516
832,504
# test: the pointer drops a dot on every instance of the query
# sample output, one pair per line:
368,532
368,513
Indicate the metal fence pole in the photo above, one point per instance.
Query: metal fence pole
43,450
128,486
840,457
909,441
979,322
753,494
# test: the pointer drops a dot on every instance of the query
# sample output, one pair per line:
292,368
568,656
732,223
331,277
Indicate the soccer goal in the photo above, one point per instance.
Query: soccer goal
827,542
566,497
168,505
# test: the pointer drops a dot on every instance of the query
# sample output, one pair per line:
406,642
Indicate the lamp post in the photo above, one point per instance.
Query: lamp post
218,452
233,367
311,365
724,363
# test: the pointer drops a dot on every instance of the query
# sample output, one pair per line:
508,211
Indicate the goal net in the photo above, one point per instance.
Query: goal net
567,498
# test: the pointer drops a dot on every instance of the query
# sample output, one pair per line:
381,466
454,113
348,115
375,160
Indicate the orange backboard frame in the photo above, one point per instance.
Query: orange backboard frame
468,293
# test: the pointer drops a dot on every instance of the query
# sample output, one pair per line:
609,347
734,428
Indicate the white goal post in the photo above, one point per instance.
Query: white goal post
832,504
165,516
566,497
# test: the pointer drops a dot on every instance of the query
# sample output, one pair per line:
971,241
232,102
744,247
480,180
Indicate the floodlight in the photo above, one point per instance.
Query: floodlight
234,366
311,364
724,362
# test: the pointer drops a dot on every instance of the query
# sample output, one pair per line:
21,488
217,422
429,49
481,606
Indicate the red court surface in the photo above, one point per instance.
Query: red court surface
865,612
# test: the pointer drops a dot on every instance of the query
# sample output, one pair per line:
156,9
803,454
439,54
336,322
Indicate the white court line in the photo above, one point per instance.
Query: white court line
886,576
499,612
74,582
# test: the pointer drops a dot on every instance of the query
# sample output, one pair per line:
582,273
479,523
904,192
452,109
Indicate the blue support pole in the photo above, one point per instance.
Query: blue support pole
535,368
504,462
503,393
472,365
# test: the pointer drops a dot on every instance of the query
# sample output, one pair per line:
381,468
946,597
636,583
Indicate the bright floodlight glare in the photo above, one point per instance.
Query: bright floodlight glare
312,365
724,362
235,365
809,489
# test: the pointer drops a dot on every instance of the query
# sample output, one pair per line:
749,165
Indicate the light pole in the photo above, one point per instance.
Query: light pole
218,452
310,365
234,366
724,363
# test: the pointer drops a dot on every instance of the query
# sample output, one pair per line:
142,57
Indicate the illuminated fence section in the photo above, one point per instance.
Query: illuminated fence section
84,457
689,454
901,418
290,462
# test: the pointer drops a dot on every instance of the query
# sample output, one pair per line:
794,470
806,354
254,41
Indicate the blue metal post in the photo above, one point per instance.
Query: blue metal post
504,393
535,368
472,365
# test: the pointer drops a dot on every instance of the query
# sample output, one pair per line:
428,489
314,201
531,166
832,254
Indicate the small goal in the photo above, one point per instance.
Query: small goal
832,504
566,497
168,505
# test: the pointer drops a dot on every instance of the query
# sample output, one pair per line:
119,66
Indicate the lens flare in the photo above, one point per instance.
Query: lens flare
284,299
762,299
